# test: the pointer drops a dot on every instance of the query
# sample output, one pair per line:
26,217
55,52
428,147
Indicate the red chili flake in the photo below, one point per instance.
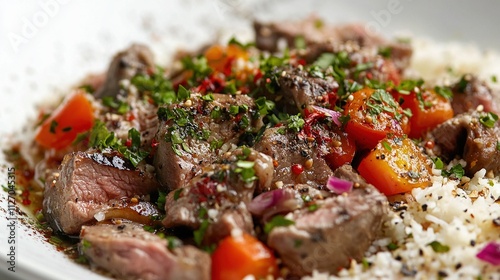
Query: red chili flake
297,169
257,76
154,143
268,80
128,143
130,117
150,71
369,75
301,61
25,194
26,201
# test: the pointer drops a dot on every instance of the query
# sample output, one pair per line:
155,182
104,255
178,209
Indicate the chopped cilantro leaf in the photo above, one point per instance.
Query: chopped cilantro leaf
444,92
438,247
457,171
488,119
295,123
277,221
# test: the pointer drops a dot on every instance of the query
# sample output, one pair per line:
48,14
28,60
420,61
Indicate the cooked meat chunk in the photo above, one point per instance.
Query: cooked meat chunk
129,252
89,182
137,59
190,137
320,38
292,148
470,137
470,92
313,31
216,200
298,89
341,229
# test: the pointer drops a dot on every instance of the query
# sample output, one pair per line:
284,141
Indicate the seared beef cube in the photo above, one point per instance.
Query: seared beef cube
342,228
298,90
290,148
192,134
214,203
137,59
313,31
473,136
141,114
470,92
87,183
320,38
129,252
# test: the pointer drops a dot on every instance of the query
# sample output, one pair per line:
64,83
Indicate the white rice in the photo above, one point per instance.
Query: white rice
458,214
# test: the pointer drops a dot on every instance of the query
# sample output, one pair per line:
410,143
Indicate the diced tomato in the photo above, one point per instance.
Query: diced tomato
395,165
374,114
428,108
239,256
75,115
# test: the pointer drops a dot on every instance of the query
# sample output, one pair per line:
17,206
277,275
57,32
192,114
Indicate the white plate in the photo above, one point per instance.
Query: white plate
47,45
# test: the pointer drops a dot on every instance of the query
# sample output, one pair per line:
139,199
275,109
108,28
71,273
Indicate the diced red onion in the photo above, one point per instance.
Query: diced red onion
339,186
490,253
334,114
273,202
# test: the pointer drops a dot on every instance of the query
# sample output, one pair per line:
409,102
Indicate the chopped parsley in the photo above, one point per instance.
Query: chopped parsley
234,41
488,119
295,123
277,221
246,170
385,51
382,101
156,86
438,163
386,146
407,86
102,138
457,171
162,199
444,92
120,106
438,247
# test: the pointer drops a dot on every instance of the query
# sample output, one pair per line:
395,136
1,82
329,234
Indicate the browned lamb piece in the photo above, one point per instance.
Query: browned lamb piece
89,182
320,38
289,148
215,202
467,137
135,60
470,92
341,229
210,129
129,252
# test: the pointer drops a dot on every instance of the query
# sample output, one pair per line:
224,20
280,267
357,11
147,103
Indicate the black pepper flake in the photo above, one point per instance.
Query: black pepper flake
420,252
439,197
399,206
406,271
442,273
121,227
473,243
458,265
424,207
